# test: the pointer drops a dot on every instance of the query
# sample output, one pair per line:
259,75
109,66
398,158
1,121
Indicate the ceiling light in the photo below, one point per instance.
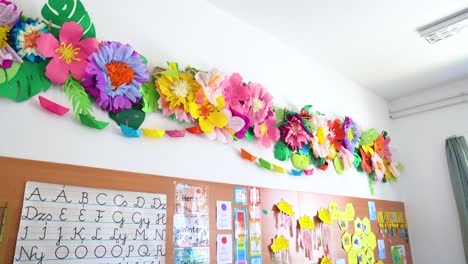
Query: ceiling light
445,27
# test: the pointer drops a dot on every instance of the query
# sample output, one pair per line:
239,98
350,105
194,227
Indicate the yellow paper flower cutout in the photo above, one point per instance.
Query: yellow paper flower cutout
208,115
279,244
285,208
305,222
326,260
324,215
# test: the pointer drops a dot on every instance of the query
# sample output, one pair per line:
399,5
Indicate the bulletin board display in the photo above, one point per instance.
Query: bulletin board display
16,172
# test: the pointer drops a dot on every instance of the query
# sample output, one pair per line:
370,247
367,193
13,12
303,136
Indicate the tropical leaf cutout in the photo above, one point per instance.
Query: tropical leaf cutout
132,118
150,97
78,97
369,137
29,80
61,11
8,74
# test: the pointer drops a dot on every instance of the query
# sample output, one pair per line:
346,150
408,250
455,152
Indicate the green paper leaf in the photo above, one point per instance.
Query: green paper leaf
61,11
282,152
79,98
249,135
91,121
300,162
371,187
339,167
307,108
8,74
280,112
369,137
265,164
26,83
132,118
150,97
357,160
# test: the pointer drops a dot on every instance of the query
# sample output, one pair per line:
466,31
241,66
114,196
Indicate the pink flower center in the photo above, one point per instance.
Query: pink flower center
30,39
119,73
67,52
4,32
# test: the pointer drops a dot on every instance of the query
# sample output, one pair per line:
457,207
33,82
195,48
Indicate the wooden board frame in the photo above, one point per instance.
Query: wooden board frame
15,173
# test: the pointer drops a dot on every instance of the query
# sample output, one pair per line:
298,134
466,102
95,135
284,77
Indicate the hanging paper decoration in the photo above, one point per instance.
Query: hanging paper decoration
326,260
324,215
53,107
62,49
306,225
285,215
280,248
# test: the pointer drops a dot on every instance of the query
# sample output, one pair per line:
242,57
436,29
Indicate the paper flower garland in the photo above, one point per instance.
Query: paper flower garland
285,215
220,106
280,248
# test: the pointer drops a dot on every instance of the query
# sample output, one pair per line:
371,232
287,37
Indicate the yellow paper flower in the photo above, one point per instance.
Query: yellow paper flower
279,244
178,89
208,115
305,222
286,208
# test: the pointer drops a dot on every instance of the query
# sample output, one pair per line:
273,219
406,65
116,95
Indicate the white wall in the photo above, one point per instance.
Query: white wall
426,189
197,33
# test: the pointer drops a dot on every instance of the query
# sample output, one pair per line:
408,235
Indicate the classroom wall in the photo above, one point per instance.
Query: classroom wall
197,33
426,188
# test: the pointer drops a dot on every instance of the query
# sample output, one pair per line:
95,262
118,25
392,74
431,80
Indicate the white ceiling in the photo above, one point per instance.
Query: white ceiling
372,42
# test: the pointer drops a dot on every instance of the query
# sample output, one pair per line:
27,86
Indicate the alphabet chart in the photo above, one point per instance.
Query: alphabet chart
67,224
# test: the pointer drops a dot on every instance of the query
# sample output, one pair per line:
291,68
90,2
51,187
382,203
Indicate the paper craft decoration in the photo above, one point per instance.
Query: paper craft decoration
324,215
223,107
358,225
223,215
255,226
326,260
191,230
364,241
241,235
343,222
224,249
90,121
357,241
353,256
192,255
366,225
306,225
349,212
280,249
130,132
88,224
370,257
153,133
346,241
240,195
372,211
53,107
361,256
381,246
285,215
398,254
333,210
372,240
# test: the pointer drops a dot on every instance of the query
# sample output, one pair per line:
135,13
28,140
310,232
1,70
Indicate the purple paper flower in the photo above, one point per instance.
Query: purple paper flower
114,76
9,14
241,133
352,134
293,132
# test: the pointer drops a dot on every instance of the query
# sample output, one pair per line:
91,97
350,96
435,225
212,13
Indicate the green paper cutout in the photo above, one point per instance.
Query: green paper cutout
132,118
61,11
307,108
280,113
265,164
265,211
79,98
369,137
300,162
8,74
282,152
339,167
249,134
91,121
29,81
357,160
150,97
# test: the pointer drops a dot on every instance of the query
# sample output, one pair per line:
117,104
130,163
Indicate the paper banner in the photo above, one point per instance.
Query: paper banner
241,235
296,172
265,164
130,132
194,130
279,169
246,155
53,107
175,133
153,133
90,121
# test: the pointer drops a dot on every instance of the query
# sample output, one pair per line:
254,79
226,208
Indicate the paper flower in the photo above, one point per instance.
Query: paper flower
392,169
386,149
9,15
352,134
210,83
258,105
224,134
337,134
293,132
234,92
365,162
267,132
208,115
177,92
70,54
319,143
241,133
346,157
114,77
378,167
24,36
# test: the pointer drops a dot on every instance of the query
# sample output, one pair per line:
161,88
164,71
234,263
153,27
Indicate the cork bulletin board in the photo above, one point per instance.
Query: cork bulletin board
16,172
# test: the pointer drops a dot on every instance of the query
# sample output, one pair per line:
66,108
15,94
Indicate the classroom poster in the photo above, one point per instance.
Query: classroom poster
69,224
224,249
223,215
381,247
372,211
191,224
398,254
240,195
241,236
255,226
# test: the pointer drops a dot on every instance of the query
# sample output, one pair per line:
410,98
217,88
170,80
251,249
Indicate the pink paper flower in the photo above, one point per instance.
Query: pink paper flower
234,92
267,131
70,54
259,104
293,132
378,166
234,125
346,157
393,166
210,83
320,143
